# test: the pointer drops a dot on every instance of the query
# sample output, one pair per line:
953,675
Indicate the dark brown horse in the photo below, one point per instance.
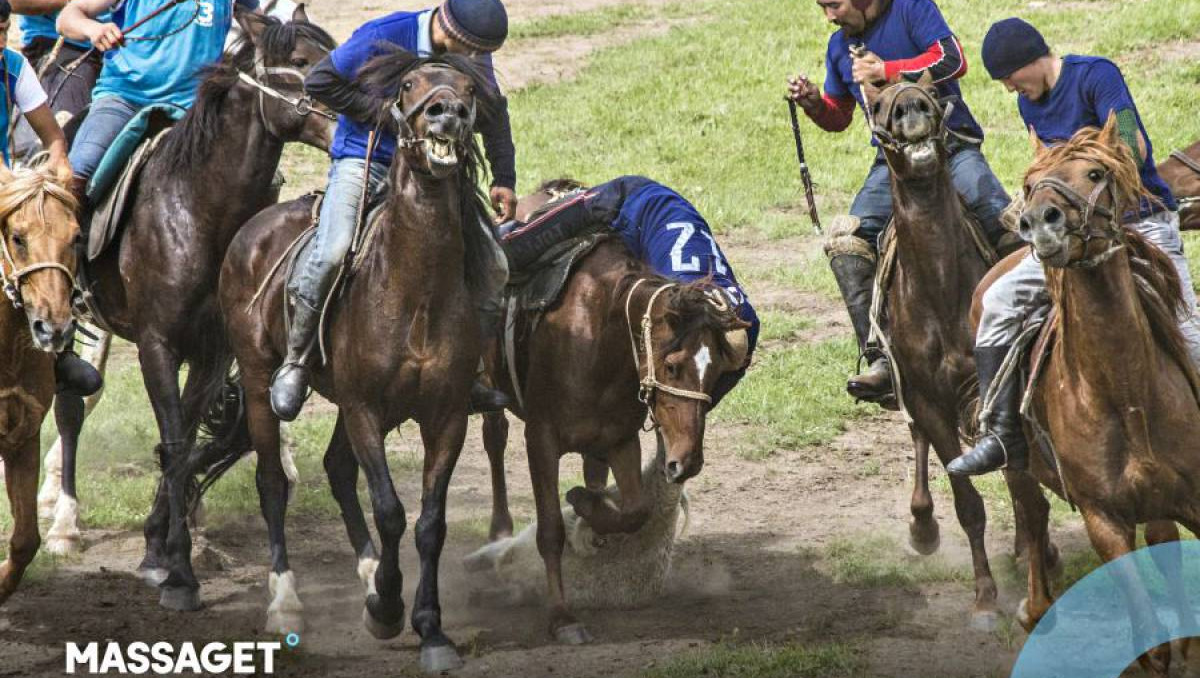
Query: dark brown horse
581,374
156,285
937,265
38,232
402,342
1118,395
1181,171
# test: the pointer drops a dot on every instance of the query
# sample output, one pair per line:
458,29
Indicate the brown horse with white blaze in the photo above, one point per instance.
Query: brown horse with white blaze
1118,396
39,231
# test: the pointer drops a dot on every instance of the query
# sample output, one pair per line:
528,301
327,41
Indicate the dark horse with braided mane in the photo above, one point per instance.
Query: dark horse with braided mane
619,344
927,303
1117,394
155,285
1181,171
401,340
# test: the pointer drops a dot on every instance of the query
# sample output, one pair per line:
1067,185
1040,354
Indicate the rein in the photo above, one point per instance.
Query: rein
650,383
1088,206
302,105
10,276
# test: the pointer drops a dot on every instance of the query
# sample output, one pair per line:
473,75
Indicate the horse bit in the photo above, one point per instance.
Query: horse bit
650,383
403,115
1088,207
887,141
303,104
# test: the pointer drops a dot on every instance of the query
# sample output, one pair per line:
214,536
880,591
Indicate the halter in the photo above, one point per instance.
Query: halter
302,105
11,277
887,141
1088,207
402,115
650,384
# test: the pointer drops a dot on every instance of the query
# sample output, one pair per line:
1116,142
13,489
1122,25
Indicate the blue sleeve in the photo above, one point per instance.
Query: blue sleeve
350,56
834,86
248,4
1106,90
924,21
489,71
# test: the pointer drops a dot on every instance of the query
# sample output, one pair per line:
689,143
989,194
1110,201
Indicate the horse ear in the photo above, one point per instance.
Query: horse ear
926,79
1110,136
252,24
299,14
1035,142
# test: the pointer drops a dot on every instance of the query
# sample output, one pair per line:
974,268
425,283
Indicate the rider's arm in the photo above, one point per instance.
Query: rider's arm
77,22
31,7
30,97
944,60
496,130
1111,96
326,84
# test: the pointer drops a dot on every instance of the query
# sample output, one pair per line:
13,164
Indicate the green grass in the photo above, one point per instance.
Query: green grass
727,660
582,24
870,561
782,326
794,396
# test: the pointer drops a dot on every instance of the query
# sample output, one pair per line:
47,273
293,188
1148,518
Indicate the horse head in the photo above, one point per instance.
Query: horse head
549,192
689,340
37,217
1074,196
274,57
908,121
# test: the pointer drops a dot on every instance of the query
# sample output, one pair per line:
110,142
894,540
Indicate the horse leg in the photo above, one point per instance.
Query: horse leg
595,474
541,443
342,471
604,516
1033,511
1112,538
1169,560
923,532
383,614
495,440
443,441
968,506
160,370
21,481
63,537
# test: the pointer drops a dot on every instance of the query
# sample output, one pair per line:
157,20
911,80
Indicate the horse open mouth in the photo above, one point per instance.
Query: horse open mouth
440,151
922,153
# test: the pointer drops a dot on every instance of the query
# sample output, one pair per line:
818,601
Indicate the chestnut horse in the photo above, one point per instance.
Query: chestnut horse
587,373
1118,394
38,232
402,342
1181,171
155,285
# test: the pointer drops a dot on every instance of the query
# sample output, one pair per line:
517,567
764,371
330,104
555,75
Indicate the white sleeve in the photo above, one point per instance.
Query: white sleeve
29,93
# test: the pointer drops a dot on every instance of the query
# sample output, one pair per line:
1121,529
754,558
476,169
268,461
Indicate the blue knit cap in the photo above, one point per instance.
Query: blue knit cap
1010,45
479,24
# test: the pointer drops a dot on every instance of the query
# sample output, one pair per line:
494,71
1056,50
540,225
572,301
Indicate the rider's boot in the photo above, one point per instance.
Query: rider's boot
1004,445
289,386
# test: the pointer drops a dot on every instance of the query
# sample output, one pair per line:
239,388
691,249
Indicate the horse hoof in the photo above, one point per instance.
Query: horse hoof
573,634
63,546
283,623
180,598
440,658
379,629
924,538
985,620
152,575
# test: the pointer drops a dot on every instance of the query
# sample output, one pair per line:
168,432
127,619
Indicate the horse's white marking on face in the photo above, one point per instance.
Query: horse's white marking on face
703,360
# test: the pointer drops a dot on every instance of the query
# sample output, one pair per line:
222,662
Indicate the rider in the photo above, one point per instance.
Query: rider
159,64
22,92
892,40
662,229
470,27
1057,96
68,70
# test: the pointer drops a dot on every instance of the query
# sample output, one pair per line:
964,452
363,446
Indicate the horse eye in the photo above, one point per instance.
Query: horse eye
1095,175
407,86
300,62
19,240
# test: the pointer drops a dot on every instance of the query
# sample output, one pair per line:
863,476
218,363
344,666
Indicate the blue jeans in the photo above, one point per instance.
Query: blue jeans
972,177
339,214
105,120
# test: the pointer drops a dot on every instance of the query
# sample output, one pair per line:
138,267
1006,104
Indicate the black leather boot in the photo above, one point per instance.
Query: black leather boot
289,386
1004,445
74,375
855,276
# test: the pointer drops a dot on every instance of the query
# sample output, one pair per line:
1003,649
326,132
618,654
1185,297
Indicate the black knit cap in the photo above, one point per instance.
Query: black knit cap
1010,45
479,24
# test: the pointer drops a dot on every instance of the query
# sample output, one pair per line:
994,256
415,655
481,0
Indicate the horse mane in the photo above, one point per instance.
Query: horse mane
1159,291
192,139
30,182
560,185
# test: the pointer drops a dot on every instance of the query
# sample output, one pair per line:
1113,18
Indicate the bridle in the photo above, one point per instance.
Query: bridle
944,105
11,276
302,105
1088,207
407,138
650,383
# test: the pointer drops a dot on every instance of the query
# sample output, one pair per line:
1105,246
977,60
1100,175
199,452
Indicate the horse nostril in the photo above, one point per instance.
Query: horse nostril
1025,227
674,468
39,328
1052,215
463,111
435,111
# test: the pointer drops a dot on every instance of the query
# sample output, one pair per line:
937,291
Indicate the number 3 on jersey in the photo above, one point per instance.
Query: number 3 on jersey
692,264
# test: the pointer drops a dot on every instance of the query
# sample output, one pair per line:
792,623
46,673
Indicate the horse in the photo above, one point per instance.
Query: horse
401,341
928,300
589,376
38,231
209,175
1118,395
1181,171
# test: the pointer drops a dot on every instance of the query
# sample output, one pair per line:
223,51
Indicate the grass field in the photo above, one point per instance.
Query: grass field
700,108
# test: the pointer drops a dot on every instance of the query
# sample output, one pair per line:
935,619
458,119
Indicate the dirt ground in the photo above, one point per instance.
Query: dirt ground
751,566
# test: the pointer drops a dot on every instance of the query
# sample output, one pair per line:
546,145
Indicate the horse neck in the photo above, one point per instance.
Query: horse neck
16,343
932,243
424,232
1105,336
